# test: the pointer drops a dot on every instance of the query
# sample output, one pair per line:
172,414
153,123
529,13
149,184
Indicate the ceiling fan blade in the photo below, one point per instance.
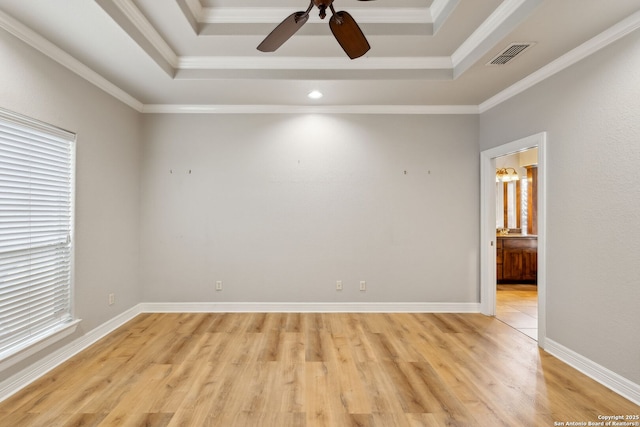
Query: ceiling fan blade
349,35
283,32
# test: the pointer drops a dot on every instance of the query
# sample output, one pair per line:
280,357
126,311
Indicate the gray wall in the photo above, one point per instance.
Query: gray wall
591,112
280,207
107,191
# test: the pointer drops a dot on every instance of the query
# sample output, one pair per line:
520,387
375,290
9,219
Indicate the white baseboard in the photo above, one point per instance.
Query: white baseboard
300,307
25,377
604,376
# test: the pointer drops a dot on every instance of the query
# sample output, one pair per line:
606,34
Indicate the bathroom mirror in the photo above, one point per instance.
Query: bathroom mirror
509,205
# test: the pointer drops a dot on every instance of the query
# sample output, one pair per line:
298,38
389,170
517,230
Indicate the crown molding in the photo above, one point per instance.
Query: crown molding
309,68
133,21
36,41
440,7
500,15
148,30
274,15
190,12
496,26
132,14
309,63
194,6
39,43
440,12
583,51
311,109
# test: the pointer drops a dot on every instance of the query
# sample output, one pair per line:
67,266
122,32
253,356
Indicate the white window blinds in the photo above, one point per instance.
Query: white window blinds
36,216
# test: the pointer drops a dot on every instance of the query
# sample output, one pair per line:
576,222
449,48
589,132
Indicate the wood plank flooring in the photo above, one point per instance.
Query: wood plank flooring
291,369
517,306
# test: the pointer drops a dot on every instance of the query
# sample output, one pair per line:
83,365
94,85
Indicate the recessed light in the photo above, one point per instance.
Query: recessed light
315,94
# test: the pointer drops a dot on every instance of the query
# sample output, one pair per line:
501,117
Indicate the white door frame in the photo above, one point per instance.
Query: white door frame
488,225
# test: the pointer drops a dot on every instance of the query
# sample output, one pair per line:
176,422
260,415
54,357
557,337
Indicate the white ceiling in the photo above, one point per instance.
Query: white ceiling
200,55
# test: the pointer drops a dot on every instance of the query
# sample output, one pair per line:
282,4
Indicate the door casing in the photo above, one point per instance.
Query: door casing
488,225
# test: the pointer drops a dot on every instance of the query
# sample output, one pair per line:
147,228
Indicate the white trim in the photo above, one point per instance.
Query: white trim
64,323
60,332
604,39
275,15
196,8
487,235
309,109
488,226
148,31
438,7
489,32
300,307
440,11
308,63
585,50
25,377
599,373
37,124
20,380
38,42
500,15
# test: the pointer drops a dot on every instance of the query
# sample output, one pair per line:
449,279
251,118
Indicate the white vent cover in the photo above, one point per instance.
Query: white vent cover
508,54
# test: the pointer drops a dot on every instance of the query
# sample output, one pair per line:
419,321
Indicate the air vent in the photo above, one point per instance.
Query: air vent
507,55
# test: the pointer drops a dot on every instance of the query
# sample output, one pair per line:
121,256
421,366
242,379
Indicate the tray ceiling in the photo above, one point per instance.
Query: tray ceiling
201,54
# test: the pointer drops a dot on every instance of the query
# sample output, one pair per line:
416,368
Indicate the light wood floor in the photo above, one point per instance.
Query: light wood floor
312,370
517,306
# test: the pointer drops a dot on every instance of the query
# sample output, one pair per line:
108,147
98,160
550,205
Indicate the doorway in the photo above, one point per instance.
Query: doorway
488,238
516,241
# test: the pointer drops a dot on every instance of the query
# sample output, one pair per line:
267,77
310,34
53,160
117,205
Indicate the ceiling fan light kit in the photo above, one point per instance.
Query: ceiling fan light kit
343,26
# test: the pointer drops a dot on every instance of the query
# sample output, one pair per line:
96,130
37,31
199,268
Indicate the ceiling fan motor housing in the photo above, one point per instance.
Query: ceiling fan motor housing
322,5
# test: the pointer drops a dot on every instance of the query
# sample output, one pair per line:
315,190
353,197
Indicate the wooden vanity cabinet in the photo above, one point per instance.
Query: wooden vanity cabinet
517,259
499,259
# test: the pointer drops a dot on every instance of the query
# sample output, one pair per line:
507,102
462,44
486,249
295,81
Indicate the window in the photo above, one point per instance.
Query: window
36,218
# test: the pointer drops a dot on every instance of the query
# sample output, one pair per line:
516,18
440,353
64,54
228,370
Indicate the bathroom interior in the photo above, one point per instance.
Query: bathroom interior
517,241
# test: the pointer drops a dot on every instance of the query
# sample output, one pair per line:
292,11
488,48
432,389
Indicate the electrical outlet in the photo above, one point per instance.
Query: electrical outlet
218,285
112,299
339,285
363,285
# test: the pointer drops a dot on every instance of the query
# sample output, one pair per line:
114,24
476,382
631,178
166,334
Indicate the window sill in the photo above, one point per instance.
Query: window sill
37,344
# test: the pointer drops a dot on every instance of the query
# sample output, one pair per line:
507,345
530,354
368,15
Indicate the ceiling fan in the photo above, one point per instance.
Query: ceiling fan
343,26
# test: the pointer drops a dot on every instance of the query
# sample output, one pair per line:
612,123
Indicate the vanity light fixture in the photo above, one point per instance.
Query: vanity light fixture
506,175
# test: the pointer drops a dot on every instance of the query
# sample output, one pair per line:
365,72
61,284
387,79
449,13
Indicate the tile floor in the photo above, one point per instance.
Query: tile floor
517,306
